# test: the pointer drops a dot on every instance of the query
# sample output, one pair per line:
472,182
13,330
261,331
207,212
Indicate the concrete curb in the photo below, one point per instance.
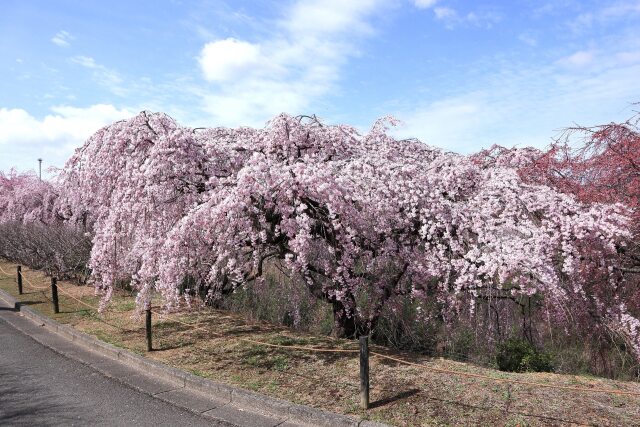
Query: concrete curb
239,397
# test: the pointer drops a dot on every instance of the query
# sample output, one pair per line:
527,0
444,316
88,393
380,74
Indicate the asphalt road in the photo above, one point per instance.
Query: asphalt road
39,387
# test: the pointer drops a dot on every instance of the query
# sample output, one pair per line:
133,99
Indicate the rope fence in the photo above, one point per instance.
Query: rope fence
363,350
43,290
40,289
288,347
507,380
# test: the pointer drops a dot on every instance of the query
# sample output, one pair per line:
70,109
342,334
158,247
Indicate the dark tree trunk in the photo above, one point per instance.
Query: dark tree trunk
344,326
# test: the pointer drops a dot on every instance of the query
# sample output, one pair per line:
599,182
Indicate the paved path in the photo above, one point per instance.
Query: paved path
39,386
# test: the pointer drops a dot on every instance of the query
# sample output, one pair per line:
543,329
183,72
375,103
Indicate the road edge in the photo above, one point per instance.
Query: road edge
238,396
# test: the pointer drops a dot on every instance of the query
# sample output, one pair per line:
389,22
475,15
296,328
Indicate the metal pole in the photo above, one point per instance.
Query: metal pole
364,371
19,271
40,168
54,294
148,328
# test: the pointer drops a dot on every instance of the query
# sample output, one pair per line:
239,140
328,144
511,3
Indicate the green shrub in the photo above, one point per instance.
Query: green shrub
462,344
517,355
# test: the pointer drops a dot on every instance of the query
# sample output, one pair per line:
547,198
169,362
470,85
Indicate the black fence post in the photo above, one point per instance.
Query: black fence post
54,294
364,371
19,271
148,328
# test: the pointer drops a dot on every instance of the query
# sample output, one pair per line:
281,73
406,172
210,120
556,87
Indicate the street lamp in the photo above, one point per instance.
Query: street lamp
40,168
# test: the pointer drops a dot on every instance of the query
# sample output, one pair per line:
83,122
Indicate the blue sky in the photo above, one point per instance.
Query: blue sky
461,75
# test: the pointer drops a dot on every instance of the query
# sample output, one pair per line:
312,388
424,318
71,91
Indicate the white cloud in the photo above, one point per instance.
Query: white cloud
225,59
62,39
328,17
296,64
24,138
425,4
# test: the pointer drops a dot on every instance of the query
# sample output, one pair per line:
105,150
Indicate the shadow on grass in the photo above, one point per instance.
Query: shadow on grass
399,396
249,330
157,348
551,420
83,312
296,355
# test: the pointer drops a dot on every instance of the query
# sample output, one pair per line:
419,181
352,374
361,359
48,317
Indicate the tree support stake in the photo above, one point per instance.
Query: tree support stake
54,295
19,273
364,371
148,328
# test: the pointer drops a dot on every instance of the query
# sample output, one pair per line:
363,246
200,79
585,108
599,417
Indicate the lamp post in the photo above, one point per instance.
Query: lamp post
40,168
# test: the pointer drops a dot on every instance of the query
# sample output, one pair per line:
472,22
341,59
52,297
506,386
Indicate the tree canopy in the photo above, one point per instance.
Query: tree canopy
358,218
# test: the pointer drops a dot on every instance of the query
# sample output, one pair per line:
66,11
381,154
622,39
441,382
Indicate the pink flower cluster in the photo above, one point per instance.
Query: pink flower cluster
360,219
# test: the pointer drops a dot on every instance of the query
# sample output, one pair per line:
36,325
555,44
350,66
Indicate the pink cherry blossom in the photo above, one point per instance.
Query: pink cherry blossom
360,219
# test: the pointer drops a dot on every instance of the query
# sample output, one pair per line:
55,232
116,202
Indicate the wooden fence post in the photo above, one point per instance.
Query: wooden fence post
364,371
148,328
54,294
19,271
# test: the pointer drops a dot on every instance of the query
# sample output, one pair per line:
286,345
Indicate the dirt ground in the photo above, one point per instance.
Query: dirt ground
224,346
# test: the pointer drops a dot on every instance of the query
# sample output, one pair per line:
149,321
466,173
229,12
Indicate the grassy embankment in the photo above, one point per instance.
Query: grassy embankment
400,394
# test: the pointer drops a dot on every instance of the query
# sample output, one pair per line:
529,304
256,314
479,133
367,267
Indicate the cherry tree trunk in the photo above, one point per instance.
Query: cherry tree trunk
344,326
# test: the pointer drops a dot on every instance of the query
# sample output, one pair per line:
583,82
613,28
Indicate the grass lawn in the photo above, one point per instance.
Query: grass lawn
400,394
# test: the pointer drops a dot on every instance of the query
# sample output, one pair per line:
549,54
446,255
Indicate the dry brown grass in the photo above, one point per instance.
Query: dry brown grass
400,394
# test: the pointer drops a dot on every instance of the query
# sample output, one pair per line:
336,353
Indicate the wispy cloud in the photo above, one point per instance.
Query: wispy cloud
526,105
62,39
297,63
578,59
445,13
528,39
85,61
452,18
104,76
425,4
606,15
